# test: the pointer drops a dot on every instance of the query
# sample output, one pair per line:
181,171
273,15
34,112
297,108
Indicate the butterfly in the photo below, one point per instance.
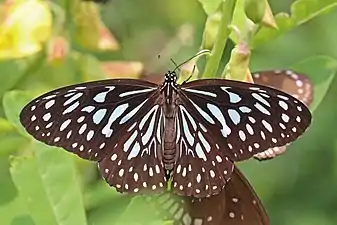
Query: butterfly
296,84
143,134
236,204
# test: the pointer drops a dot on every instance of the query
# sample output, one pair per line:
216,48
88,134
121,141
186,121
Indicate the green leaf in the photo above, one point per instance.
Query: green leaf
13,71
47,183
210,5
301,12
13,211
23,220
5,125
13,103
108,213
8,190
140,211
99,194
321,70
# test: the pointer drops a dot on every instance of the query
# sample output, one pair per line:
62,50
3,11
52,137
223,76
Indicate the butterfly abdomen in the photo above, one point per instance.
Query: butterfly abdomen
169,153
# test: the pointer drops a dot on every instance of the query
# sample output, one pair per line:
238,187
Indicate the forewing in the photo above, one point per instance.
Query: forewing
245,118
201,168
114,122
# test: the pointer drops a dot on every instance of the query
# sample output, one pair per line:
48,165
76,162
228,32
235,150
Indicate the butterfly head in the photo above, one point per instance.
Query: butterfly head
171,77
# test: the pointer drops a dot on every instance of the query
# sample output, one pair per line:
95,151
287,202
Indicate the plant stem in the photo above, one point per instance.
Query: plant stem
213,61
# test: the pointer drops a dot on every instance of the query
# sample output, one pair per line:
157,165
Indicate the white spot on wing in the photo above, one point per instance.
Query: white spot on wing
99,115
132,113
234,115
218,114
207,93
124,94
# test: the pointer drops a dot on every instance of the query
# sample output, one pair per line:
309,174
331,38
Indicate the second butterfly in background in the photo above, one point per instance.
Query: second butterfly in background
296,84
237,204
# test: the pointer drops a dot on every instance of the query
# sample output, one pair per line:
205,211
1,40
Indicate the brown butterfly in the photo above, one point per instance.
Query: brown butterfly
237,204
296,84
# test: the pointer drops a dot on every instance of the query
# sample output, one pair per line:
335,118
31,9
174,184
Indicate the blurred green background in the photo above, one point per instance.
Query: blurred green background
41,185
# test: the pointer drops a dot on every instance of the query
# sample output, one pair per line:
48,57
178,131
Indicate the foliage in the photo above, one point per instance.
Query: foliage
44,185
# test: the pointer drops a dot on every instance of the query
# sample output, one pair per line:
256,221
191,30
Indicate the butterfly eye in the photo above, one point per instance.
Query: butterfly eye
139,132
295,84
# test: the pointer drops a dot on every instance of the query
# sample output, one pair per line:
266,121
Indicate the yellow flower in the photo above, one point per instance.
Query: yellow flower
27,25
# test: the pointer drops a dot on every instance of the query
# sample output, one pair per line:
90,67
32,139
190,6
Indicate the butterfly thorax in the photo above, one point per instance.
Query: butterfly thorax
169,89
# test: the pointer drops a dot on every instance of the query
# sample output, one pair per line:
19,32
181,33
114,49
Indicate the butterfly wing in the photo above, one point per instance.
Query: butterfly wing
237,204
244,118
296,84
201,169
114,122
270,153
243,206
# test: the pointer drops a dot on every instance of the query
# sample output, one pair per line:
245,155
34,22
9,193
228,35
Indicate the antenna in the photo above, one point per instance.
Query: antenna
202,52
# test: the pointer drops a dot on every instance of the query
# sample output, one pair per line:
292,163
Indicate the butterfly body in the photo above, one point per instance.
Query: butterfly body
139,132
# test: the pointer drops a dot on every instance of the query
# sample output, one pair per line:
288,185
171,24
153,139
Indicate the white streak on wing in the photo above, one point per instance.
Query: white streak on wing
182,142
233,98
204,142
132,126
153,144
200,92
119,110
132,112
159,125
187,132
283,97
124,94
100,97
177,129
131,139
99,115
69,94
218,114
194,124
267,126
134,151
90,135
71,108
73,98
65,124
150,129
200,152
88,109
261,99
261,108
234,115
245,109
202,127
203,113
283,104
146,117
